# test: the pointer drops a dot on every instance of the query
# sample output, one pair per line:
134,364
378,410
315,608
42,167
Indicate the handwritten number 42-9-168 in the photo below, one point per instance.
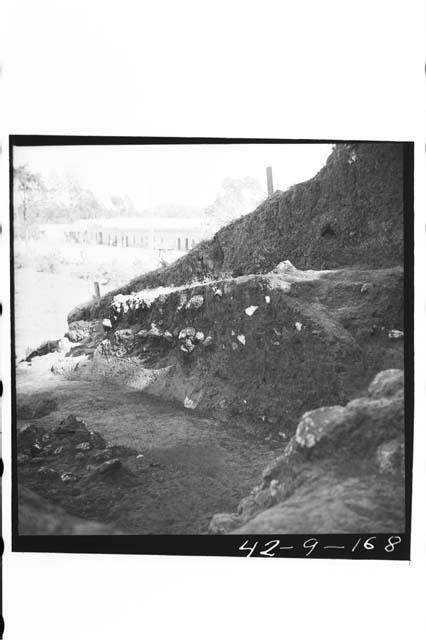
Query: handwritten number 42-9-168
272,547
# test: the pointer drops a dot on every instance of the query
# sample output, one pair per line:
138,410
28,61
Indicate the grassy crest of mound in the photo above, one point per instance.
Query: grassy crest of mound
350,213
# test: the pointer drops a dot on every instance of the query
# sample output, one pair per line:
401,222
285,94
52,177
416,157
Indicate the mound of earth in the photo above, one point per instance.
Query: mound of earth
343,471
350,213
263,347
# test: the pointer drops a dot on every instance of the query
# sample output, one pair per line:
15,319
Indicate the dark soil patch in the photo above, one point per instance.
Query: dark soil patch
36,407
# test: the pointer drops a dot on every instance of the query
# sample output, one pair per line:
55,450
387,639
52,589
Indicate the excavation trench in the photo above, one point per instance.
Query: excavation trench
182,468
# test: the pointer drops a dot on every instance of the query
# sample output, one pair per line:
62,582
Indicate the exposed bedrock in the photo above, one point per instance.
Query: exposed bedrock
342,471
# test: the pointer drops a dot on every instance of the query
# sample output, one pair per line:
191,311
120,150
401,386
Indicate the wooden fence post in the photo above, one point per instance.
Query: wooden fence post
97,291
269,180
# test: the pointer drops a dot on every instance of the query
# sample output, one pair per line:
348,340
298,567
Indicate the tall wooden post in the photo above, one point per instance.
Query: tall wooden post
269,181
97,291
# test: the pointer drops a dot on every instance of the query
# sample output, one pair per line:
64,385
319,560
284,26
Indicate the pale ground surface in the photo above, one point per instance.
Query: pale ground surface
42,302
53,278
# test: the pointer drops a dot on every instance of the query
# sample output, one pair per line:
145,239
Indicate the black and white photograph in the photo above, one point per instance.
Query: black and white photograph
209,338
212,313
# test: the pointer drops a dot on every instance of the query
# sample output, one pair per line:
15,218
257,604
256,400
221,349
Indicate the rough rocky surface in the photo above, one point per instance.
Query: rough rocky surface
343,471
68,466
78,331
350,213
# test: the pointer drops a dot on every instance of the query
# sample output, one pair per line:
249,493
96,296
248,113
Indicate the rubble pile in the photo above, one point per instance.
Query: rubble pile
71,467
342,471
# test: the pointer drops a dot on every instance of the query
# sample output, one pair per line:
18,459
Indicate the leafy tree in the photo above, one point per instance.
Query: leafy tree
82,203
28,187
63,201
123,206
237,197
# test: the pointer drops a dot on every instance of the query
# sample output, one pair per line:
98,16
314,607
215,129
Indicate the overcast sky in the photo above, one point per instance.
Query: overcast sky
178,174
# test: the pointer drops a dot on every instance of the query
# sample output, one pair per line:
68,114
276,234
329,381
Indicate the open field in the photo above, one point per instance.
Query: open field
109,265
51,279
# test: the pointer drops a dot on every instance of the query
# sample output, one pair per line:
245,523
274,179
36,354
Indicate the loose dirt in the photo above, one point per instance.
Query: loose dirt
192,467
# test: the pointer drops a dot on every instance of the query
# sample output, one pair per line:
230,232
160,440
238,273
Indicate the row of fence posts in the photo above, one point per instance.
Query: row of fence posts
270,192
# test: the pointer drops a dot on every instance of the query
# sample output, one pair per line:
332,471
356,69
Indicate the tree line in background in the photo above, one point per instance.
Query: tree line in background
37,203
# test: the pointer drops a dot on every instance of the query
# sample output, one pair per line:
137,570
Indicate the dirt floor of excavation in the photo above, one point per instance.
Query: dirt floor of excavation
178,468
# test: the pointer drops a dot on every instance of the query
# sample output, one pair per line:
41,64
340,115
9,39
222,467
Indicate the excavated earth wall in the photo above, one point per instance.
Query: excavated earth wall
262,347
